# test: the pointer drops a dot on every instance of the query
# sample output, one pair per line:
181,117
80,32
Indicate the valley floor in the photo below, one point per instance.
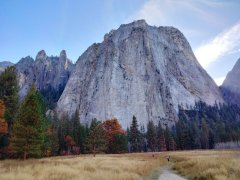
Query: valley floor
191,164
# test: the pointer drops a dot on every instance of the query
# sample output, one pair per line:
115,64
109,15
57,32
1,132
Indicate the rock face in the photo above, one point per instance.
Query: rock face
231,85
49,74
137,70
4,64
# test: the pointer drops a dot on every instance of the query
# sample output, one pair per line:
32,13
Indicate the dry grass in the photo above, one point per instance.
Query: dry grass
209,165
197,165
101,167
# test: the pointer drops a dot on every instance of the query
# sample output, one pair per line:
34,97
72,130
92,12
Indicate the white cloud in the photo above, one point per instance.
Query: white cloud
221,45
160,12
151,12
219,80
165,12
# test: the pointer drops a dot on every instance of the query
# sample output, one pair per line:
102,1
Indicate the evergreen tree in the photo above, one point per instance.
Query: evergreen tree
96,140
54,142
143,140
83,137
172,144
76,128
161,138
9,94
63,131
134,136
119,143
195,134
29,127
151,136
53,133
168,139
3,131
204,134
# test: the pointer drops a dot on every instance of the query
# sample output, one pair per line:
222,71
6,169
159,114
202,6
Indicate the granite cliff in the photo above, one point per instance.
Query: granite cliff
138,70
49,74
231,85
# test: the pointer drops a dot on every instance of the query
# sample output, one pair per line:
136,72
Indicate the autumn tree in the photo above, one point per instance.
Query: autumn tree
70,143
116,136
29,127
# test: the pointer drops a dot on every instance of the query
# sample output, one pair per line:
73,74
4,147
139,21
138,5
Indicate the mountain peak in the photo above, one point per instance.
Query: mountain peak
63,53
137,69
41,55
137,23
231,85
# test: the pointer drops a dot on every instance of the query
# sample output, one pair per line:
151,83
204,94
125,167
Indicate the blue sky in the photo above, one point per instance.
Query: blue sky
211,26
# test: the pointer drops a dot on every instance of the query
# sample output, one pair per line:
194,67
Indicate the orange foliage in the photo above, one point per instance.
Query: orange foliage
3,123
49,131
69,141
2,109
112,127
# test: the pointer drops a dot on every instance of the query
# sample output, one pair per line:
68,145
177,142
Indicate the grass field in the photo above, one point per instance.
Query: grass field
101,167
192,164
208,165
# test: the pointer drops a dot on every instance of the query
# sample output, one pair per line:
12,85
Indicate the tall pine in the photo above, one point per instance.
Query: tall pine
134,136
29,127
161,138
9,94
151,136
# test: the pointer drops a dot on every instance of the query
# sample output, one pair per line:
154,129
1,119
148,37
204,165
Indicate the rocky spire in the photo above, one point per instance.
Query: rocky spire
41,55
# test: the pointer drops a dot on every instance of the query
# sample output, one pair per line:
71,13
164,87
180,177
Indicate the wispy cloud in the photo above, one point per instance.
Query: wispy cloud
151,11
204,12
158,12
219,46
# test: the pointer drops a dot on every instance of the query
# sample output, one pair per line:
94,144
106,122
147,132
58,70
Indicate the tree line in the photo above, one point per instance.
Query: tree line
26,131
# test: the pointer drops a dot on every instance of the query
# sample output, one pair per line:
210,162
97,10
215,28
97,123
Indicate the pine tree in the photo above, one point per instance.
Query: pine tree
9,94
119,143
3,131
204,134
96,140
28,130
134,136
167,137
161,138
3,124
143,140
151,136
76,128
83,138
172,144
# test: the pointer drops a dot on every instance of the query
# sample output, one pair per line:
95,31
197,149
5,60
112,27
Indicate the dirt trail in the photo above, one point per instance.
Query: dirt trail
167,174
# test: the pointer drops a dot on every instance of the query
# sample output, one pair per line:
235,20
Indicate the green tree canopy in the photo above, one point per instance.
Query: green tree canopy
30,126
